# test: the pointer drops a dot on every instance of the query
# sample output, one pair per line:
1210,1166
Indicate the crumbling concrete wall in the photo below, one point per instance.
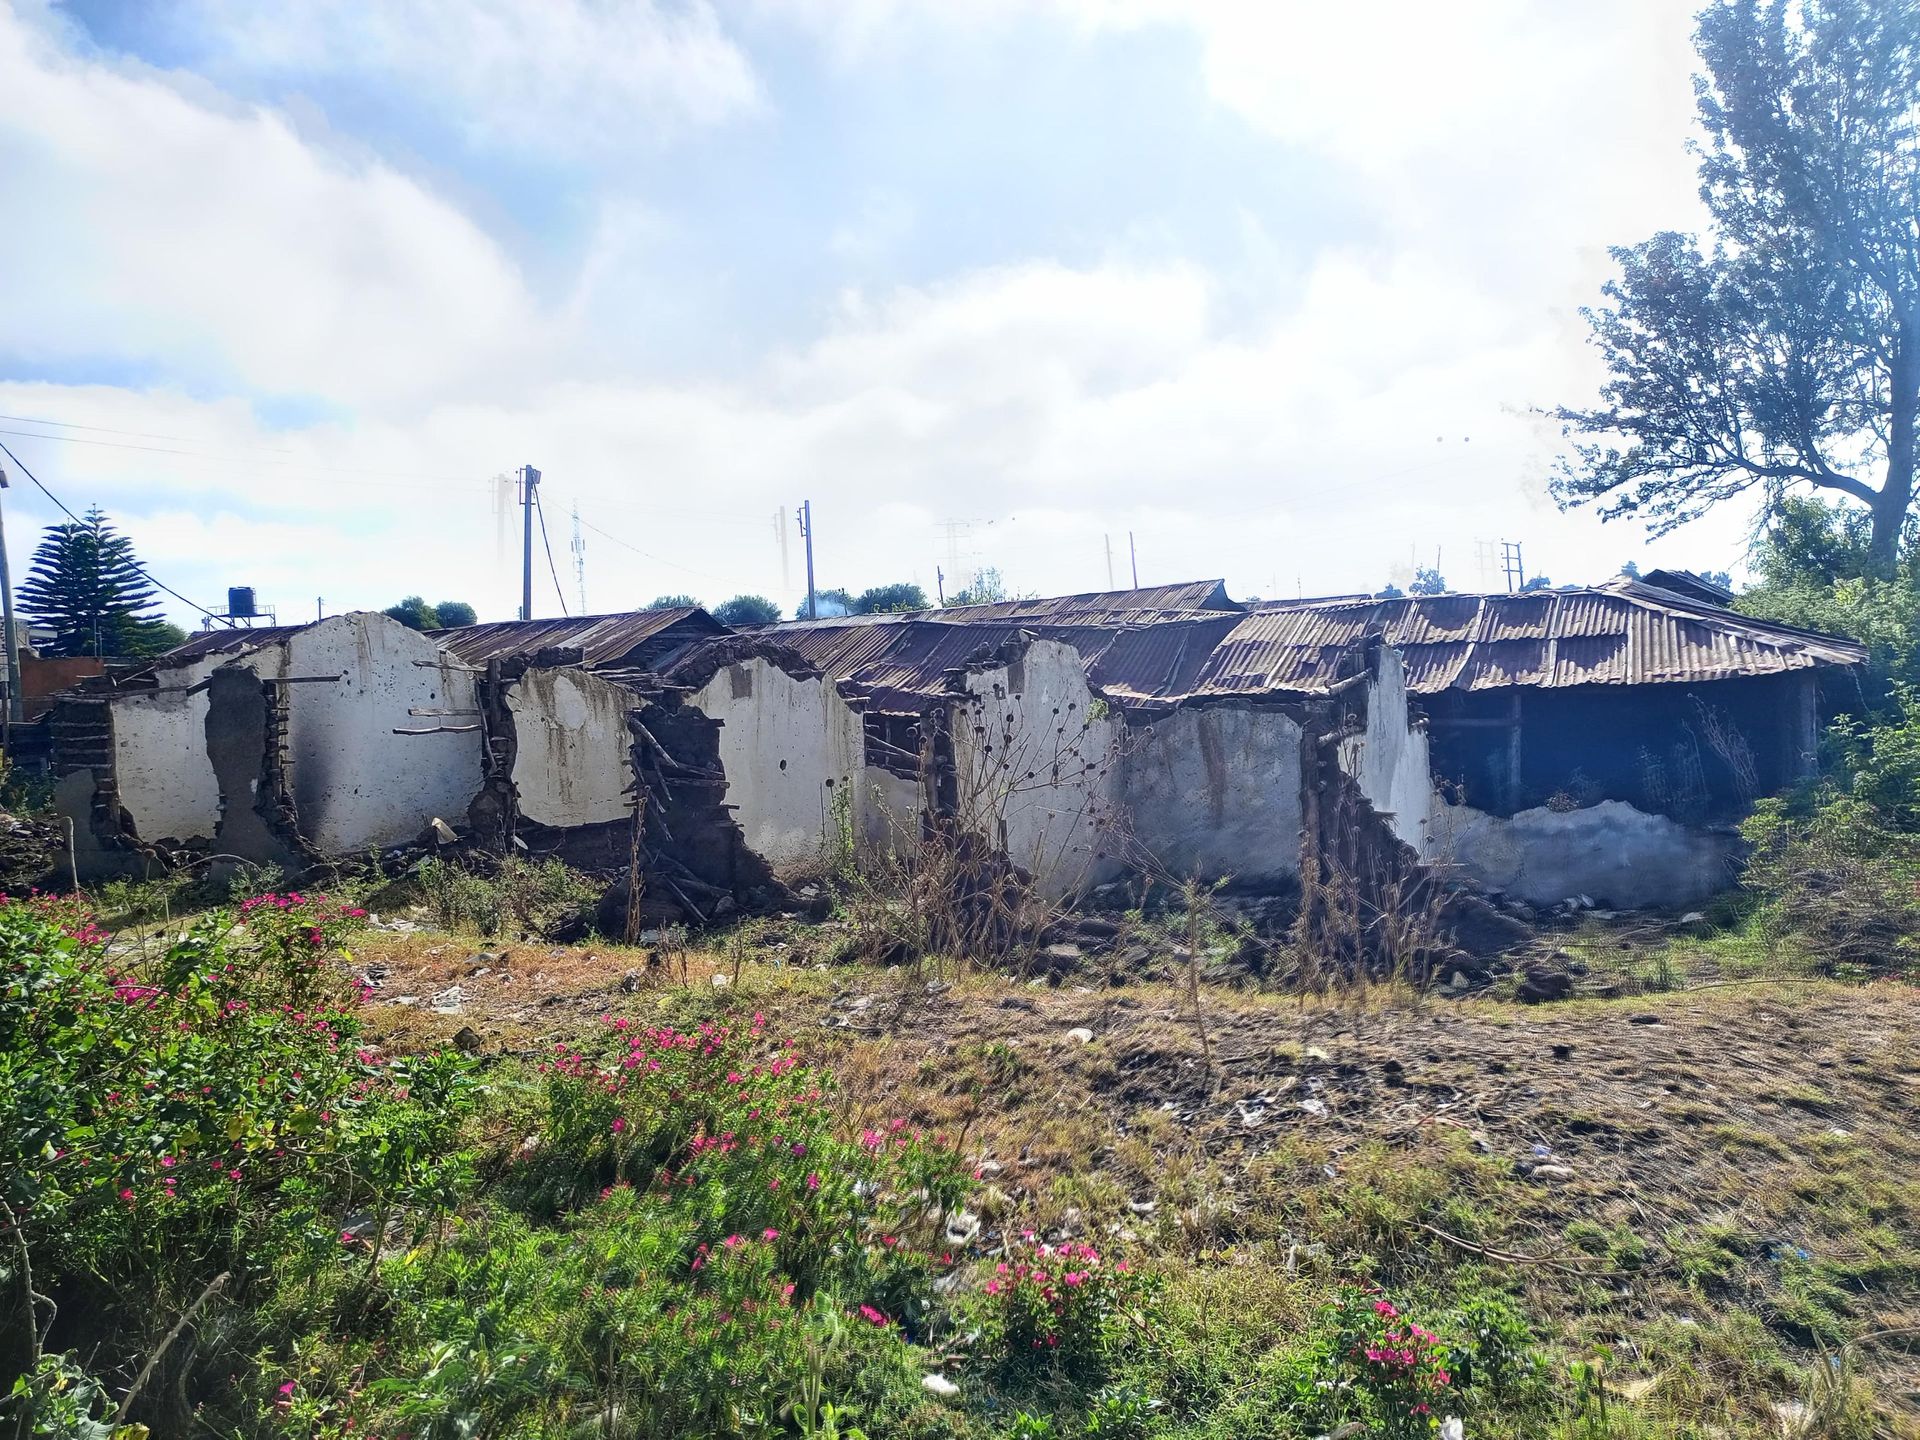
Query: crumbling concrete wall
572,764
1612,853
1037,766
1215,792
1389,761
165,781
356,782
790,746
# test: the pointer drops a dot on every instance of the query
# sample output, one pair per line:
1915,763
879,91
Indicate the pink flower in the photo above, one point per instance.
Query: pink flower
288,1388
732,1242
619,1124
873,1316
769,1234
813,1182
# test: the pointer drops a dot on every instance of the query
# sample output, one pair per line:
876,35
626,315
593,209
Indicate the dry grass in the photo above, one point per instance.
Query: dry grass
1740,1192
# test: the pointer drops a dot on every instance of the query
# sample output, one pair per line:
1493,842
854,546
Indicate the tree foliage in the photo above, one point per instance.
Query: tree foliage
989,587
452,613
673,602
890,599
1787,354
1427,580
1815,569
414,613
746,610
86,585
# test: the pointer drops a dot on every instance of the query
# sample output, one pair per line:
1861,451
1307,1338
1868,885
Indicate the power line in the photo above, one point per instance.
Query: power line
552,569
205,610
388,475
648,554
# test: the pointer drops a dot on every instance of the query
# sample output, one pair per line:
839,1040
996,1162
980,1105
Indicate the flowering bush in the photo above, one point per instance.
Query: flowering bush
298,938
721,1249
162,1124
1059,1305
1381,1366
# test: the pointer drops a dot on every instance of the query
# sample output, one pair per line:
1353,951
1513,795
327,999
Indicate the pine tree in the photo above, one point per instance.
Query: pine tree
87,587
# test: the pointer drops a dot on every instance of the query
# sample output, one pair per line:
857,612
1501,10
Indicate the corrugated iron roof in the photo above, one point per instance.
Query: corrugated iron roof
235,641
1117,606
602,639
1622,633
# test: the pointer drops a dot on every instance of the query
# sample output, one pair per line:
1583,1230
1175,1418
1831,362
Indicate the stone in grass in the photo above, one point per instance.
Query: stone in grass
1081,1034
939,1385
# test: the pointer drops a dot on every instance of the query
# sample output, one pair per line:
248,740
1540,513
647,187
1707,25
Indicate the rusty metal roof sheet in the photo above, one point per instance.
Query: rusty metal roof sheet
1117,606
1622,633
236,641
633,637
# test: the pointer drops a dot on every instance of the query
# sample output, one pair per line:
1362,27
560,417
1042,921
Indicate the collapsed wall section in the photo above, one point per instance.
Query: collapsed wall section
1036,764
793,753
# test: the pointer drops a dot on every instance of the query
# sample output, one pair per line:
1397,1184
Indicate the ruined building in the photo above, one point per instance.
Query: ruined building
1598,741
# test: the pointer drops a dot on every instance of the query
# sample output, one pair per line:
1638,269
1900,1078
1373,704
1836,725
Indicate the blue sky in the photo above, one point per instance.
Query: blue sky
1270,286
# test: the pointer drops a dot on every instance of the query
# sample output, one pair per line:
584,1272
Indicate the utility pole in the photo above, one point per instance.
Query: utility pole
16,703
1134,556
805,516
529,481
940,584
319,607
1109,540
1510,562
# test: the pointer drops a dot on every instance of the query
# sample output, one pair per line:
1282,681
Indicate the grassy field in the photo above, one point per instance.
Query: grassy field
396,1180
1705,1201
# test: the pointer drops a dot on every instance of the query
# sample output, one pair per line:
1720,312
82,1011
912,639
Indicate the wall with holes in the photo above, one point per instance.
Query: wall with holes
1037,765
792,749
573,757
363,689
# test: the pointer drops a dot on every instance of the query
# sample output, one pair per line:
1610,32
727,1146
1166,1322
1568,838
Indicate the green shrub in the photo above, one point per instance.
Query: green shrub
208,1113
529,898
1065,1308
1836,866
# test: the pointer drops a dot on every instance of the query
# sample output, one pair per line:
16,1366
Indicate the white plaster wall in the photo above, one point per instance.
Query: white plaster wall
1612,853
1390,762
165,780
573,763
1056,783
1215,792
788,746
355,782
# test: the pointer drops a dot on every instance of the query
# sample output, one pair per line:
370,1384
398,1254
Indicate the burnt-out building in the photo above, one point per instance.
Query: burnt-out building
1599,742
1594,741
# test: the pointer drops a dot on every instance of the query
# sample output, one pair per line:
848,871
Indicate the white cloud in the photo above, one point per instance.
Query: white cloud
216,246
1299,432
516,74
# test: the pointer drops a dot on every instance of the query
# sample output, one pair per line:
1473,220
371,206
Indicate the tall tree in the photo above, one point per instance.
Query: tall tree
86,585
673,602
1787,355
455,612
746,610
